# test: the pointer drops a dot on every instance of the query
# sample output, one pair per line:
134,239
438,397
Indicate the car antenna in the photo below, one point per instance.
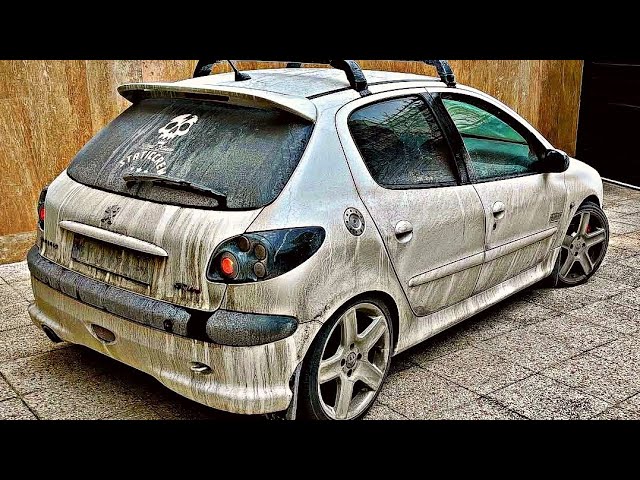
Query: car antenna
204,67
239,76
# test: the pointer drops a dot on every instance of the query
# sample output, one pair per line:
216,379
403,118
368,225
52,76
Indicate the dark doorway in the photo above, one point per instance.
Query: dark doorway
609,124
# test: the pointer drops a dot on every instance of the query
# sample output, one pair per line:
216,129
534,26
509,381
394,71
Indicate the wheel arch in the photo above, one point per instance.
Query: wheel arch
391,305
384,297
592,199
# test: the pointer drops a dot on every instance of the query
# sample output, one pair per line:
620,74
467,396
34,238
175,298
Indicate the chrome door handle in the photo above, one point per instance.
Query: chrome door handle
498,210
403,231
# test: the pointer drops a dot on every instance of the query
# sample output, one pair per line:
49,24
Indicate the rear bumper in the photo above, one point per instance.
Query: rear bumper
250,380
222,327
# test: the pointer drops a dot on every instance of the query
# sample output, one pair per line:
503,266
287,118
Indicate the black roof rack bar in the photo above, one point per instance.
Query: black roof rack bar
351,68
444,71
442,67
203,68
354,73
356,78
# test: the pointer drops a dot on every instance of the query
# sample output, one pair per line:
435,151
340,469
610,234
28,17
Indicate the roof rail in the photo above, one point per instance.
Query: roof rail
356,78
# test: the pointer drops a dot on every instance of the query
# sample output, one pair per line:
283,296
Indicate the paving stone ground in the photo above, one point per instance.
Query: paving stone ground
542,354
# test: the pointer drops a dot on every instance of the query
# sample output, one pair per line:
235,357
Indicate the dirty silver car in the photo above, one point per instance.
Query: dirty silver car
266,241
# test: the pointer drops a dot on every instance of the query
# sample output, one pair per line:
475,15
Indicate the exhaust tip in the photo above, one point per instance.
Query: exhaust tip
51,334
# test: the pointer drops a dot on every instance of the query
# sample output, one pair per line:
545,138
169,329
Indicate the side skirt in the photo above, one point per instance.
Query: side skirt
427,326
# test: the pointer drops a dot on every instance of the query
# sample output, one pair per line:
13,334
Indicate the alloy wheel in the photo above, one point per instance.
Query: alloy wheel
354,361
583,247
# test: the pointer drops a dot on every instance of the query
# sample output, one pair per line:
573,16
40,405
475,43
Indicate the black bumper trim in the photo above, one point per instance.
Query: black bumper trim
248,329
223,327
125,304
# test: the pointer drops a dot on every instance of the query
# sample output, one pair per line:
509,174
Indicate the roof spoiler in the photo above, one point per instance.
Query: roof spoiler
298,106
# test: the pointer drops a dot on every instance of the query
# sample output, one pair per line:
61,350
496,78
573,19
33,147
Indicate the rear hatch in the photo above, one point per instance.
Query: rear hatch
144,203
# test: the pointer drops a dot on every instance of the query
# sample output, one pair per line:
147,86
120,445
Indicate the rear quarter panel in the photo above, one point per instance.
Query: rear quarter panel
319,192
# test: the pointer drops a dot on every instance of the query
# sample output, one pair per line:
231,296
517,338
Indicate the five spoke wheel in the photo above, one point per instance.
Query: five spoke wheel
354,361
583,246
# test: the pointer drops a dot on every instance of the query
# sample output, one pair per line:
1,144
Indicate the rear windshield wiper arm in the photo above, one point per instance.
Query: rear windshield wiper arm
175,183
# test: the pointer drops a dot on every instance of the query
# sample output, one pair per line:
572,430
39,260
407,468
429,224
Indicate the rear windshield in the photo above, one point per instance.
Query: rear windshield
247,154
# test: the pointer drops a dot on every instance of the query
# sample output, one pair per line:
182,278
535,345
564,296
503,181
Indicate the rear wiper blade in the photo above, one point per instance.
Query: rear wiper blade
174,182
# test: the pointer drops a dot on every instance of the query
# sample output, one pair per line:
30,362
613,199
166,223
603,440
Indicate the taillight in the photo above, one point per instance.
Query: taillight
41,209
228,265
263,255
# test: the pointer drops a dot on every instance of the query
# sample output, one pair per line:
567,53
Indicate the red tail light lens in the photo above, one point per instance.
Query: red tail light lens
257,256
228,265
41,210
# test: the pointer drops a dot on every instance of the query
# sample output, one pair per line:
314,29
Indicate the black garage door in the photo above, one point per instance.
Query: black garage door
609,125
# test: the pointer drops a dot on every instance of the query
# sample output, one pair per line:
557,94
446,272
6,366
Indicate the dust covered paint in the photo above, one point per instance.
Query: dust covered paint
189,236
242,379
433,253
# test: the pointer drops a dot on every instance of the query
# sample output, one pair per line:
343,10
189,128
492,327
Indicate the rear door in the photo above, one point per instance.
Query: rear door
522,206
408,178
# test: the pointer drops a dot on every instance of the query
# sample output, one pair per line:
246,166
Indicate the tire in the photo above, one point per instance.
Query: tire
590,238
361,362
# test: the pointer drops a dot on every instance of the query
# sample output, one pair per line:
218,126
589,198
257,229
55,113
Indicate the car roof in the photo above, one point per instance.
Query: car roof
301,82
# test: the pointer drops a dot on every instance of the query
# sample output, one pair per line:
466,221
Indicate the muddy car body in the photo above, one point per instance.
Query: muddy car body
267,244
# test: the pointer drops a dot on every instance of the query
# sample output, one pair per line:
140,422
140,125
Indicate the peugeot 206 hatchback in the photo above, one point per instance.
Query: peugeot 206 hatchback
266,241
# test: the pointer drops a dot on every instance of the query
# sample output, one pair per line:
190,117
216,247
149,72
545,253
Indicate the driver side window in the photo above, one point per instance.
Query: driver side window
496,149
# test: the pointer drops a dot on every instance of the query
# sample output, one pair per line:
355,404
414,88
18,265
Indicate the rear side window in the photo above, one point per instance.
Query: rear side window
247,154
402,144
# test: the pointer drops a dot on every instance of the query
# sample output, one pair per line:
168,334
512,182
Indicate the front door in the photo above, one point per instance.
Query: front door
431,224
522,207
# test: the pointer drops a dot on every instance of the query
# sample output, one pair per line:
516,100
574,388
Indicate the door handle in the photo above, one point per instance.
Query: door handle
498,210
403,231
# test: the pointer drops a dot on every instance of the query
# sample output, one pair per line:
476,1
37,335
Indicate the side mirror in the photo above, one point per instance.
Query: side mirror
554,161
